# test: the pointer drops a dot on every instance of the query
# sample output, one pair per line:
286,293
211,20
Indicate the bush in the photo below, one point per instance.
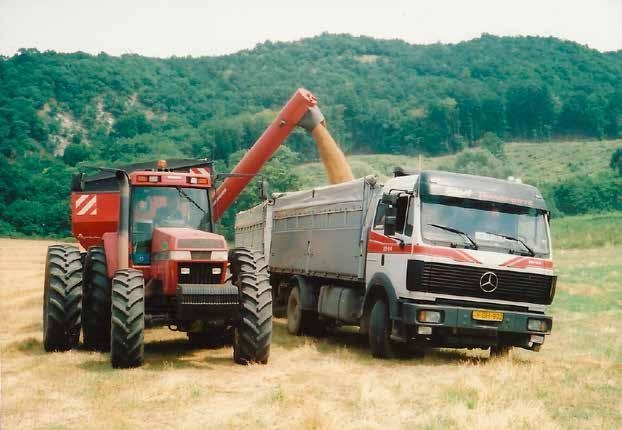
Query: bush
75,153
588,195
479,162
492,143
616,161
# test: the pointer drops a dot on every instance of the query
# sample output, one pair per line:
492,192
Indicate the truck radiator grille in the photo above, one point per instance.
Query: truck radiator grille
199,273
465,281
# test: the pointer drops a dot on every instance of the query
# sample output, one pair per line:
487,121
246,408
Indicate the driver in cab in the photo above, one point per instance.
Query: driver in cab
169,215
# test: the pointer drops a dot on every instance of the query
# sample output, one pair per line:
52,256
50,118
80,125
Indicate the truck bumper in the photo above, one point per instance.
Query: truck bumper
460,327
207,301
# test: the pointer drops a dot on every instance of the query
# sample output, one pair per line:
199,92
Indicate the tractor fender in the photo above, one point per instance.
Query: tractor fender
380,284
308,290
111,247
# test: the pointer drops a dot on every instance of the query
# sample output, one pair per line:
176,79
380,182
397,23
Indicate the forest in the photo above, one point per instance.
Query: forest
62,112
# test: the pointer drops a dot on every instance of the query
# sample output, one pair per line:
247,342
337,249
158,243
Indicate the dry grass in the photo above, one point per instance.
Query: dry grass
575,382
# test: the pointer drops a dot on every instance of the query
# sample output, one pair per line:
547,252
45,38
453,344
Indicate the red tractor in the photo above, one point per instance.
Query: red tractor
152,257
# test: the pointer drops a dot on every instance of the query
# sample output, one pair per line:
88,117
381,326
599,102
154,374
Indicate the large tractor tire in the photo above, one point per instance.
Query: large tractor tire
128,319
380,341
96,300
62,298
253,333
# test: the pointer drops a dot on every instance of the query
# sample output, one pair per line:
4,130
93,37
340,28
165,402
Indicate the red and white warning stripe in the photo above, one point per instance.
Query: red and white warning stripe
86,204
199,171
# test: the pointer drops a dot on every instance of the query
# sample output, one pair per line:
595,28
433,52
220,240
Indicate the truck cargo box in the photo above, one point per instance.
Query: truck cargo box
316,232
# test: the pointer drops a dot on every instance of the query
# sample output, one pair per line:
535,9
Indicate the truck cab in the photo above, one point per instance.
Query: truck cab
468,258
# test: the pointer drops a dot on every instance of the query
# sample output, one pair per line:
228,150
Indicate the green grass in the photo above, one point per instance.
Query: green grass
543,162
587,231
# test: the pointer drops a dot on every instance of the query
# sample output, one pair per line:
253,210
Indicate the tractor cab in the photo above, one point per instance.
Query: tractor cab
160,199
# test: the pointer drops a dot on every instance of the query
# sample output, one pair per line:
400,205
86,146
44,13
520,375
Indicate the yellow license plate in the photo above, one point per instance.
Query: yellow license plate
488,316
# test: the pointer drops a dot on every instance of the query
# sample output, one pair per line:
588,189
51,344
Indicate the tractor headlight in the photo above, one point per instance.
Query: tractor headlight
179,255
220,255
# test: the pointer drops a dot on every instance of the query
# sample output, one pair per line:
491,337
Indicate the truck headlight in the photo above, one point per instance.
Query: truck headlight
537,325
430,316
220,255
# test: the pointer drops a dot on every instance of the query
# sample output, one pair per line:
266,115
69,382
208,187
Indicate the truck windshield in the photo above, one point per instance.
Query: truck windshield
492,226
153,207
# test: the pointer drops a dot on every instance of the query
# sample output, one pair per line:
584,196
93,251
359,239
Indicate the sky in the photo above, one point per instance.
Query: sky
161,28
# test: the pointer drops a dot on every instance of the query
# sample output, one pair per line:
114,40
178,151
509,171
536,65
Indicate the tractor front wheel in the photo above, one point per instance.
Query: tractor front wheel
128,319
253,333
62,298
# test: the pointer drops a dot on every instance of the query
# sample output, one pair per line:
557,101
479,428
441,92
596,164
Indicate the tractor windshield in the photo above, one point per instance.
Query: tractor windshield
165,207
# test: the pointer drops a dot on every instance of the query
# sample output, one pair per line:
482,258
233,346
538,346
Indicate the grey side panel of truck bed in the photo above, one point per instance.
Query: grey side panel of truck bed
317,232
253,228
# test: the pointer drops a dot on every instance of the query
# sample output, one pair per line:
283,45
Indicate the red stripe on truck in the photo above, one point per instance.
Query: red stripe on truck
524,262
379,243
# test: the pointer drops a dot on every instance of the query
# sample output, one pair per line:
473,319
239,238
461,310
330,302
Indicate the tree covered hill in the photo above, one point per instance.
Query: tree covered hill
60,111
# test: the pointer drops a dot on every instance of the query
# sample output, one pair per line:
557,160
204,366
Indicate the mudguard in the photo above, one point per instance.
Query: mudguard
381,280
308,290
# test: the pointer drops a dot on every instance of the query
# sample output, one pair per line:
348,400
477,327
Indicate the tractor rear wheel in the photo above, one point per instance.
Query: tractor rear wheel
62,298
128,319
96,298
253,332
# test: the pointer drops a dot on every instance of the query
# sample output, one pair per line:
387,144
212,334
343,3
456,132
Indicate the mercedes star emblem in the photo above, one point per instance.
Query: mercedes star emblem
488,282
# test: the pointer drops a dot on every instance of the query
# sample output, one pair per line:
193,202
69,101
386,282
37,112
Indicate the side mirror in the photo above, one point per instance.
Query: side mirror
264,190
390,199
390,220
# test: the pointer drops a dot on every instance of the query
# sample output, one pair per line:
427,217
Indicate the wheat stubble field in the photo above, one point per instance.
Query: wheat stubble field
574,382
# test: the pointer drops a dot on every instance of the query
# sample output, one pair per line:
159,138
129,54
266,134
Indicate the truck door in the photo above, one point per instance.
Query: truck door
389,254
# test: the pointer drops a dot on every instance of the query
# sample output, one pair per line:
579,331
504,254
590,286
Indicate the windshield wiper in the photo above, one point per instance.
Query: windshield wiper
531,253
183,193
459,232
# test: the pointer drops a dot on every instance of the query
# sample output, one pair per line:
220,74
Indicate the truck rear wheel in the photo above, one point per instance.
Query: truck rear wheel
96,300
62,298
380,341
301,321
128,319
253,332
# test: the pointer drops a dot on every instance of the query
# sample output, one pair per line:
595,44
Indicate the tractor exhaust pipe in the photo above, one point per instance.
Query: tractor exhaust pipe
124,220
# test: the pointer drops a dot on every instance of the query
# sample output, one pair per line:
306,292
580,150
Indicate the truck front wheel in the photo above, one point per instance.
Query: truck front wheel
380,341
